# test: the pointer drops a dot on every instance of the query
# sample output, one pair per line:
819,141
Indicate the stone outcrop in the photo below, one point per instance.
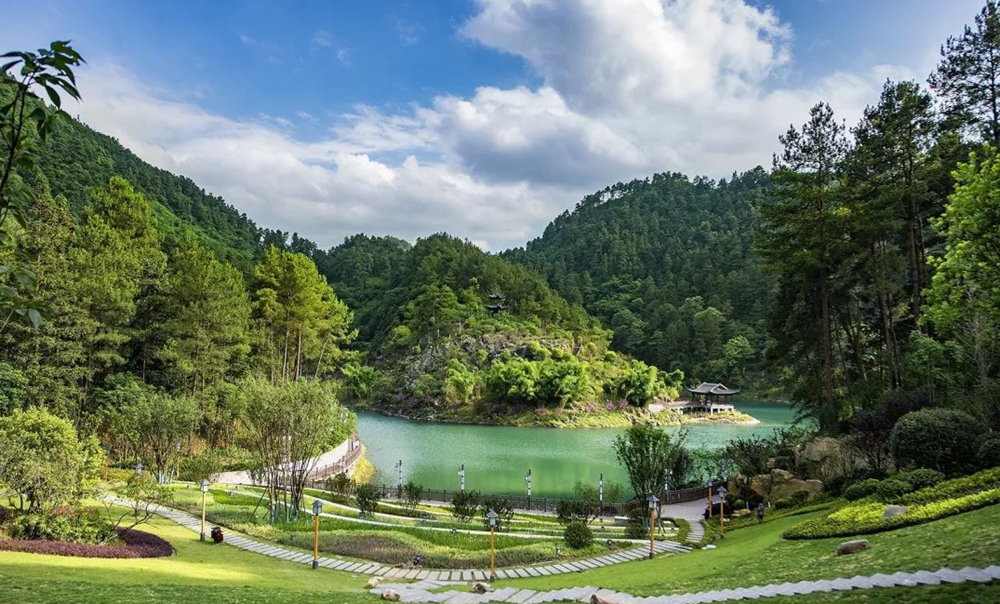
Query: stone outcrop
895,510
852,547
783,484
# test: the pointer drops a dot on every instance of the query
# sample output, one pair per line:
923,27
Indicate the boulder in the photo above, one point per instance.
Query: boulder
480,588
820,449
596,599
852,547
894,510
390,595
783,484
373,582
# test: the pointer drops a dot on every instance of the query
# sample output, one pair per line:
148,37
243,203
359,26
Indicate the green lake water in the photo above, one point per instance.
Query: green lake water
496,458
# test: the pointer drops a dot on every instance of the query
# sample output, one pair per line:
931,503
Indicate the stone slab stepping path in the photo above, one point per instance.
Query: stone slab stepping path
421,590
422,576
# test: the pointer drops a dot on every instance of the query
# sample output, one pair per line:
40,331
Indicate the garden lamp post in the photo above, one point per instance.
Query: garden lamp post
492,517
722,510
317,510
204,491
708,486
652,501
399,475
461,477
527,479
600,498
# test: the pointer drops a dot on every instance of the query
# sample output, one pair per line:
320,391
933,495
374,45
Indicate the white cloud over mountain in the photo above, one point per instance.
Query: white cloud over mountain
628,88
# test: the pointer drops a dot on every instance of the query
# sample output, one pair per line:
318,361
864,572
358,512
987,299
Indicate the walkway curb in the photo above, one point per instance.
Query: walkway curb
421,590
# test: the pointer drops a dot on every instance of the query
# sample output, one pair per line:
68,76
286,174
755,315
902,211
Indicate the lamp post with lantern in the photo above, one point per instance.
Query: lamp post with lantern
317,510
492,517
722,511
461,477
652,501
204,491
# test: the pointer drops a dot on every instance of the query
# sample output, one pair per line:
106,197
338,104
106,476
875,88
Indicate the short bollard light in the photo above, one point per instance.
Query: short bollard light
652,501
491,518
204,491
722,510
317,510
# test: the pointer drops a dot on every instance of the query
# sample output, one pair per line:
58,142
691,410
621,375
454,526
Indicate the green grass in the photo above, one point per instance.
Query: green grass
199,572
757,555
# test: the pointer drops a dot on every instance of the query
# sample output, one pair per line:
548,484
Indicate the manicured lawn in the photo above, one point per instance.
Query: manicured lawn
758,555
197,573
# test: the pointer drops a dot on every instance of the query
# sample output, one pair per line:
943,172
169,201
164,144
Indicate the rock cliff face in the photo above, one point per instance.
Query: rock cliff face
781,484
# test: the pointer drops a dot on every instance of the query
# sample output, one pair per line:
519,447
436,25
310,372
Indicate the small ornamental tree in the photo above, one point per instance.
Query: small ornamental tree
945,440
43,464
464,505
412,493
645,452
367,497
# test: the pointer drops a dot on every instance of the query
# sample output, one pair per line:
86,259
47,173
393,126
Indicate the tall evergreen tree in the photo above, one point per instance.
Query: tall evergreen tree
968,76
206,328
802,241
304,321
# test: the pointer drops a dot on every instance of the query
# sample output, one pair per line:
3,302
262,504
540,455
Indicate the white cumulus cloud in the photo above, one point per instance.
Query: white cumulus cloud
628,88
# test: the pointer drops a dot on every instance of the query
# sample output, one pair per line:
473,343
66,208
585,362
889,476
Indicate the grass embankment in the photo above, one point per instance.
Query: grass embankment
199,572
758,555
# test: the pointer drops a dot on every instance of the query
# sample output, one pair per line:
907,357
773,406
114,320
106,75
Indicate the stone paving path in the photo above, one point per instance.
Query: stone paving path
374,568
421,591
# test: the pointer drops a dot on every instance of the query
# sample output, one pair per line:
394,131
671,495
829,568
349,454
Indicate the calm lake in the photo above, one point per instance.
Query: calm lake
496,458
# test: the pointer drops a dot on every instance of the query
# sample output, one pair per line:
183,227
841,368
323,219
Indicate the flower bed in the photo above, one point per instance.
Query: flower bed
135,544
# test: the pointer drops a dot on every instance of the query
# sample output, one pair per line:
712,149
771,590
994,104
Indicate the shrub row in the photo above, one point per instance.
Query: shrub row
980,481
866,518
135,544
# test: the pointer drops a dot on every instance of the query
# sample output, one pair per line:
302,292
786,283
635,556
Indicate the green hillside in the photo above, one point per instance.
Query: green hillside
668,264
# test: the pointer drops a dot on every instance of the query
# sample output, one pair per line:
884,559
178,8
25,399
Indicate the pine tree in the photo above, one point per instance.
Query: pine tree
802,240
968,76
207,319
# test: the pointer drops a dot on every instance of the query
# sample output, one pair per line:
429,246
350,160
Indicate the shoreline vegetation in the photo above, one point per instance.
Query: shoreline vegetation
567,418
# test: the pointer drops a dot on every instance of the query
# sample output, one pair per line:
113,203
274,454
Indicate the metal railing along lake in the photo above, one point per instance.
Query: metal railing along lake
541,504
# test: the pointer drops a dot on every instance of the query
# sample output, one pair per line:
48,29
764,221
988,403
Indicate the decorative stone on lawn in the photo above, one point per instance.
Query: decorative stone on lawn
895,510
852,547
373,582
480,588
390,595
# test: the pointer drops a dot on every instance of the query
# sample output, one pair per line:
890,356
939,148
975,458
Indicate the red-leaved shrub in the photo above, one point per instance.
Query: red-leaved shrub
136,544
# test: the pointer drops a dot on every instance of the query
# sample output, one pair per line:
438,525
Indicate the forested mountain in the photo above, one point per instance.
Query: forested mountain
78,160
456,333
668,264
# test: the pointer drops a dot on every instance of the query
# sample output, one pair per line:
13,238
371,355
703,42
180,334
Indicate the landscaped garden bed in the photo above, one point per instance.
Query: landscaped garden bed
868,515
130,543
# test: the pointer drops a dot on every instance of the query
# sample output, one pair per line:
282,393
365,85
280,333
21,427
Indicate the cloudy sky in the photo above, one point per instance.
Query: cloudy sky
482,118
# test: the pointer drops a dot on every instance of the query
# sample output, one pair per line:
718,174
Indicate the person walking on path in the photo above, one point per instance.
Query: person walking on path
760,513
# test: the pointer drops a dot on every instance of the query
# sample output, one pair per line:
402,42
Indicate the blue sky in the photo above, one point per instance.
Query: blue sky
482,118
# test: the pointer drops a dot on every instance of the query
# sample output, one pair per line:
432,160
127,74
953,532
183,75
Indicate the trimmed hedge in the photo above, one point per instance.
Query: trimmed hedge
946,440
135,544
866,518
980,481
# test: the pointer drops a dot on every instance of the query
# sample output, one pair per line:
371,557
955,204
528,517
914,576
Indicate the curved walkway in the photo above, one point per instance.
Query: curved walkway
420,591
375,568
